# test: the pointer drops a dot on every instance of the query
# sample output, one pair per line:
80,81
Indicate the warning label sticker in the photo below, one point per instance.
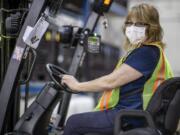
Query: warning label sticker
33,35
18,53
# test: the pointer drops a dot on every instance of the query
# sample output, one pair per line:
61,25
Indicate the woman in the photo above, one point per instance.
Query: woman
134,80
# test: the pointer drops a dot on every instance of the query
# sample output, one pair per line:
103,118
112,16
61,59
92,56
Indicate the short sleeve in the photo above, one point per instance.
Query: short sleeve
144,59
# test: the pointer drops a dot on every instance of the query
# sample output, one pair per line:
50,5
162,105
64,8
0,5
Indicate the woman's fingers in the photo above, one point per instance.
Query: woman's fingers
65,79
70,81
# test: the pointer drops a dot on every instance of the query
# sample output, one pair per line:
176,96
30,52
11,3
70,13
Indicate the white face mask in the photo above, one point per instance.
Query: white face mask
135,34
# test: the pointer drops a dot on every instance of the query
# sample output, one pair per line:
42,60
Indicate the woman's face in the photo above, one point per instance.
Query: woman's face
136,31
142,25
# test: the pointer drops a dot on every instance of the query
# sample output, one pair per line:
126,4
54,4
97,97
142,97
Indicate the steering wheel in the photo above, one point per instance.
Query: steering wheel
55,73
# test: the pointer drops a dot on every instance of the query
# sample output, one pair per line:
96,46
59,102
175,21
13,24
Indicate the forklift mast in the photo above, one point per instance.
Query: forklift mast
14,67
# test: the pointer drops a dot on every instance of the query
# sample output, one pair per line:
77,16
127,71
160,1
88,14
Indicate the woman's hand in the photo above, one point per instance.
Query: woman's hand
70,81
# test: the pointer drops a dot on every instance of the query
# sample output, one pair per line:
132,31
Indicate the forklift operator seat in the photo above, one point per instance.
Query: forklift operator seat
161,116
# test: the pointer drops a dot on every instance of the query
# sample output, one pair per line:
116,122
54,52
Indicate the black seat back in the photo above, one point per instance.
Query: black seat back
164,105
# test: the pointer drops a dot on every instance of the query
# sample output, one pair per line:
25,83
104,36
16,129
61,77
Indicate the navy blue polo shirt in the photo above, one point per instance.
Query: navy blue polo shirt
144,60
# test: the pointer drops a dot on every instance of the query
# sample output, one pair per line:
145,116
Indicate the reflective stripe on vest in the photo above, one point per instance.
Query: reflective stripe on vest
110,98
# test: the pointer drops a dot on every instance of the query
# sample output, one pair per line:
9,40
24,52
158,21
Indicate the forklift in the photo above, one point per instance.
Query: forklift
36,119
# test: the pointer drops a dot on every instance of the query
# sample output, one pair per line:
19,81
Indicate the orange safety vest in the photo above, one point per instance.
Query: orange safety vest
110,98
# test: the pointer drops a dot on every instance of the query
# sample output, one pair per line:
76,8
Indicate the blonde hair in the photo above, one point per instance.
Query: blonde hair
147,14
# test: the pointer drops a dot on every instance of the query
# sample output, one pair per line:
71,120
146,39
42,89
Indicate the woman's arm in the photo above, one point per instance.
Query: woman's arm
118,77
